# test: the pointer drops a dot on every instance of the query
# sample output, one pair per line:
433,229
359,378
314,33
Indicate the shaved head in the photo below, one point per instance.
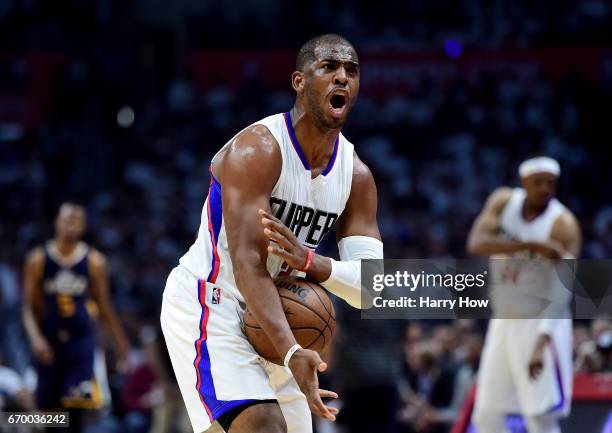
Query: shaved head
307,51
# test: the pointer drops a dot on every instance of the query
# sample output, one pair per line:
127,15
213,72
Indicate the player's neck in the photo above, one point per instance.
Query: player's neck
66,246
317,143
531,211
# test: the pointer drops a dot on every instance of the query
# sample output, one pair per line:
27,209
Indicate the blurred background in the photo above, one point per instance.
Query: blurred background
120,105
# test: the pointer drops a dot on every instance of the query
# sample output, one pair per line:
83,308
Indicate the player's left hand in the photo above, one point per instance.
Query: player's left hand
536,363
283,243
305,364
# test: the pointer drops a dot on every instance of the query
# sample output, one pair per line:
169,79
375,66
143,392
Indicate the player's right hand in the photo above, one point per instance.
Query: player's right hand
551,249
304,365
42,350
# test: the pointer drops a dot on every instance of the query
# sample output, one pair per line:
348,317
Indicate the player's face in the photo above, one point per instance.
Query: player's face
331,84
540,188
70,223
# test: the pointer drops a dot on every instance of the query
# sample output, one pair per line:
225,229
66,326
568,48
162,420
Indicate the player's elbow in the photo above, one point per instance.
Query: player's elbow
472,248
242,276
247,271
475,247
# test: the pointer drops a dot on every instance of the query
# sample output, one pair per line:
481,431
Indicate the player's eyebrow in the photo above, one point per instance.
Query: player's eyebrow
336,61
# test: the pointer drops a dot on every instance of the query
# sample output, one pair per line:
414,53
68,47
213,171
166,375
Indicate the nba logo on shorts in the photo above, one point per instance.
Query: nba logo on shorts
216,295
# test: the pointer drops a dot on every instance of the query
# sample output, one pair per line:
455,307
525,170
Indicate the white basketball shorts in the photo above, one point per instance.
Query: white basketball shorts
504,385
216,367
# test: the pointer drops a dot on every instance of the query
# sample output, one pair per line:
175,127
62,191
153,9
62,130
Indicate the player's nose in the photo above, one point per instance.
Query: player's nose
341,77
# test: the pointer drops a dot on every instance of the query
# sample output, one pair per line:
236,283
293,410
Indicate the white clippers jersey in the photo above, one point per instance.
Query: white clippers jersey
309,207
524,285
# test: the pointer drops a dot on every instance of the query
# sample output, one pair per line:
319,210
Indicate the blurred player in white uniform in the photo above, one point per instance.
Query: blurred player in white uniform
526,366
277,188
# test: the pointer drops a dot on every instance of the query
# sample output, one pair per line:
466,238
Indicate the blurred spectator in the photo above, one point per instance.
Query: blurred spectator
436,386
447,339
12,334
595,355
431,386
580,335
170,415
14,393
144,390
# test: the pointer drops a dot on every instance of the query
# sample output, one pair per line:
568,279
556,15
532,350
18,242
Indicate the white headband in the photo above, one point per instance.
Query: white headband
540,164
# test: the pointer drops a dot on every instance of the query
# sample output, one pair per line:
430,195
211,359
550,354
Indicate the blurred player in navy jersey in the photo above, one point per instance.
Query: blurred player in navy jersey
66,289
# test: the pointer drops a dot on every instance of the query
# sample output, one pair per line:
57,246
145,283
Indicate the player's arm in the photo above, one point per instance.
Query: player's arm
247,172
359,216
484,238
566,232
358,238
357,234
100,293
33,304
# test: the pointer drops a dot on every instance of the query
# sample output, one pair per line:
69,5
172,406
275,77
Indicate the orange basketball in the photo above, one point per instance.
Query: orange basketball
310,314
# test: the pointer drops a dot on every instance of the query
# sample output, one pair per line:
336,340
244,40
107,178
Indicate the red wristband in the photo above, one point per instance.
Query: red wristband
309,258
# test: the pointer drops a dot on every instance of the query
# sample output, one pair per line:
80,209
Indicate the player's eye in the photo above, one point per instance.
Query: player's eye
329,67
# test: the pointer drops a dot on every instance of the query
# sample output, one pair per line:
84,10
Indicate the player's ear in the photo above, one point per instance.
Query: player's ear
297,81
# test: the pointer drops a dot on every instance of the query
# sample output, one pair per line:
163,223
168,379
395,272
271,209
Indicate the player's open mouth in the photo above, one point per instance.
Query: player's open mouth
337,103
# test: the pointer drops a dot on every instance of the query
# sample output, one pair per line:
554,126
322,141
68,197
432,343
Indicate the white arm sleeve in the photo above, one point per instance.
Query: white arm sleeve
345,278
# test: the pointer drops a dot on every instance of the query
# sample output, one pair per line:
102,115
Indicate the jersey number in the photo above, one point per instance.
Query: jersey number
285,270
65,305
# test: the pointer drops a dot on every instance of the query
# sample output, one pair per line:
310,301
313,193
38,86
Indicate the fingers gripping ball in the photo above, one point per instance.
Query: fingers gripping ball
310,314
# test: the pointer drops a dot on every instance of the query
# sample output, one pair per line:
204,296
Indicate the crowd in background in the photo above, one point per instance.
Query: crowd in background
255,24
129,133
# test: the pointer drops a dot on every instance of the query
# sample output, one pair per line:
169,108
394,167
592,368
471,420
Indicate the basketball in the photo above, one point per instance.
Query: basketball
310,314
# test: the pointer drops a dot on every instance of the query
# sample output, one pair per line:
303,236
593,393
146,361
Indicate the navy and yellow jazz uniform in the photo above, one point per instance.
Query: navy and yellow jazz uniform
68,324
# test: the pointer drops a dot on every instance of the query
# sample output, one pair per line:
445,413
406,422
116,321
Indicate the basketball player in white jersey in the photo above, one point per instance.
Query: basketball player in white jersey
526,366
277,188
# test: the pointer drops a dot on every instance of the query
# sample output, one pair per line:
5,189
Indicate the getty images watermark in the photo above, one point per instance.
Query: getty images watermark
481,289
409,281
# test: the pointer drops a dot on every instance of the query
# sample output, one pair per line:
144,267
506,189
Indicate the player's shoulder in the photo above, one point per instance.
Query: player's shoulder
36,256
254,150
567,220
361,172
499,198
257,135
566,229
260,134
96,258
256,142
